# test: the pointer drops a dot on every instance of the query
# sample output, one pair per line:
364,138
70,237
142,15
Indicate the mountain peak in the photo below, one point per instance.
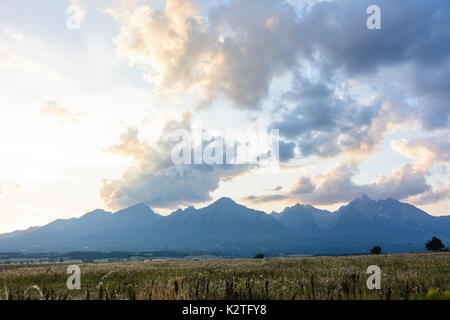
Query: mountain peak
96,213
392,200
225,201
139,205
138,209
363,200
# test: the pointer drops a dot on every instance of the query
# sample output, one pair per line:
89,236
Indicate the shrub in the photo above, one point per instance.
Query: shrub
375,250
434,244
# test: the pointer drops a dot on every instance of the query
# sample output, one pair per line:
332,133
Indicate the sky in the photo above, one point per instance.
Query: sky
92,90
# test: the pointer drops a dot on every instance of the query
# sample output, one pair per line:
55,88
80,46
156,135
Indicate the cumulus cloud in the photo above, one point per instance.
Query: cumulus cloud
337,185
286,151
325,124
408,181
303,185
152,178
236,49
440,193
419,49
61,115
232,50
227,52
427,151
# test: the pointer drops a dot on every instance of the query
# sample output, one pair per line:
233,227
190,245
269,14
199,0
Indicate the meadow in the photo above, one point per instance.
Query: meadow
404,276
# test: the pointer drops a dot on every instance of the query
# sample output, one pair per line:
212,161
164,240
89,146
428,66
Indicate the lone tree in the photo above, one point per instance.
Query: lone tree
434,244
375,250
259,256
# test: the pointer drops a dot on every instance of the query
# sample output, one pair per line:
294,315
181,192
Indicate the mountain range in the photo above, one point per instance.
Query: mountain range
226,226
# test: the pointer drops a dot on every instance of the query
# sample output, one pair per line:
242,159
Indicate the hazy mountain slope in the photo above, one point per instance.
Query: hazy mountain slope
307,221
225,224
388,220
367,221
57,234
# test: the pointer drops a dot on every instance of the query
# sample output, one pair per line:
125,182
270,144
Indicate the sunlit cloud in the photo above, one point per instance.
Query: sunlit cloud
427,151
61,115
154,179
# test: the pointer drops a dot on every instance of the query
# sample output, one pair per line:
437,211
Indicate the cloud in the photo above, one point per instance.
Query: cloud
224,52
152,178
130,146
427,151
337,186
325,124
286,151
441,193
303,185
264,198
61,115
227,52
408,181
325,116
413,55
81,7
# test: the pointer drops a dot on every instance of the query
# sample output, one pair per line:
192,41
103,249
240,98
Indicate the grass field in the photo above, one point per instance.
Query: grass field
404,276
